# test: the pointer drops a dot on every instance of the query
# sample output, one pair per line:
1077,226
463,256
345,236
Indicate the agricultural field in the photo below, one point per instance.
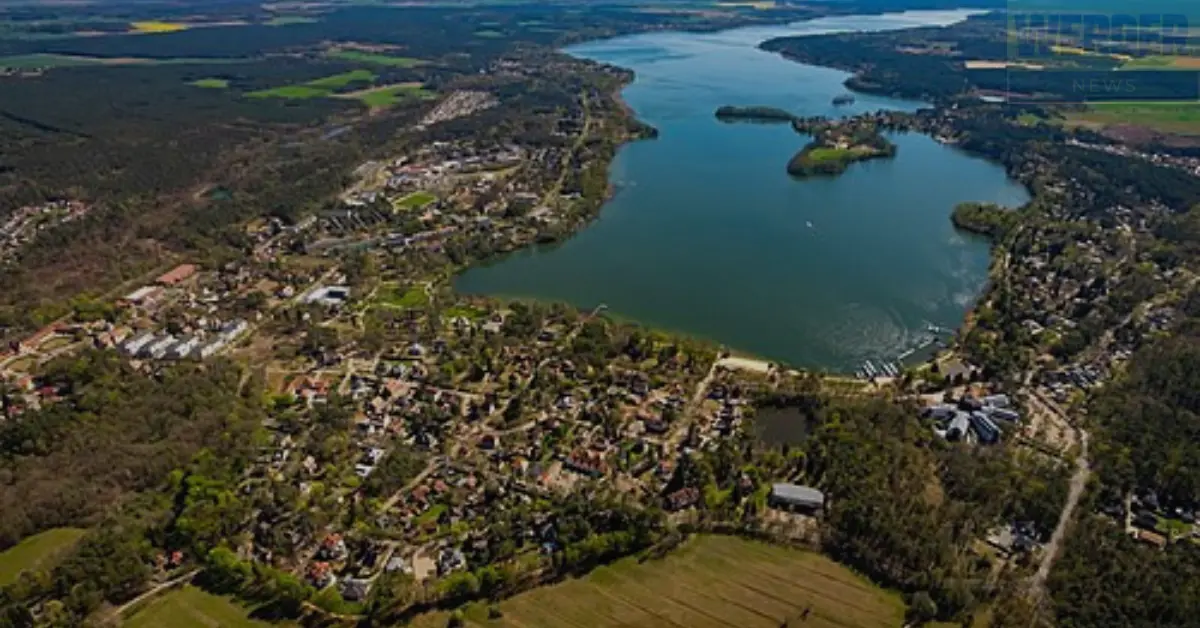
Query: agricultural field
338,81
416,200
1182,117
360,56
189,607
1162,62
40,60
39,551
389,95
212,83
155,26
712,581
317,88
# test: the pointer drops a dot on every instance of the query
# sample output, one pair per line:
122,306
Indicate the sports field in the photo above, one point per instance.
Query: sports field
189,607
415,200
39,551
713,581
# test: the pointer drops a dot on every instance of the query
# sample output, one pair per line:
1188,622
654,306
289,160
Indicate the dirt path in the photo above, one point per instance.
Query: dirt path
1078,483
116,614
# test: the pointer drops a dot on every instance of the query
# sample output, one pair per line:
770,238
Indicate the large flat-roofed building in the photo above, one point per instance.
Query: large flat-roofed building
177,274
795,497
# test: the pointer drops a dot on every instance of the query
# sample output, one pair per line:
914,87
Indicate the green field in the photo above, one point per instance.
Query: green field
288,20
317,88
389,294
378,59
712,581
1166,116
388,95
416,200
189,607
338,81
212,83
28,62
1162,62
39,551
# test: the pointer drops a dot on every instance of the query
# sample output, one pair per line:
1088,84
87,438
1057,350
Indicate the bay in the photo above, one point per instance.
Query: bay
708,235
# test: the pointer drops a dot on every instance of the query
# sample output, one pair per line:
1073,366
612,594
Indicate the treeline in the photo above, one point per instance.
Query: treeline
114,433
985,219
134,459
1106,579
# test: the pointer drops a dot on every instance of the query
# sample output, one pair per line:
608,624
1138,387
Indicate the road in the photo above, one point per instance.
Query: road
1079,481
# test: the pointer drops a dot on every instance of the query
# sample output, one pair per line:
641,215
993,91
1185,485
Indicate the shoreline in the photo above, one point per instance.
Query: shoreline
617,96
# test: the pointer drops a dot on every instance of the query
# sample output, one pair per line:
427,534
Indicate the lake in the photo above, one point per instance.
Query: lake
708,235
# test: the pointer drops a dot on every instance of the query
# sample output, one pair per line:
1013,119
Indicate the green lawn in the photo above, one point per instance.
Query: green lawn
711,582
39,551
416,200
212,83
389,294
431,515
376,58
189,607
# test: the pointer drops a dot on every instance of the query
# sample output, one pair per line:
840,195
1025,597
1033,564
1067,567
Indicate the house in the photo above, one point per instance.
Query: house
449,560
795,497
146,295
589,463
1152,539
320,574
355,589
959,426
333,547
683,498
176,275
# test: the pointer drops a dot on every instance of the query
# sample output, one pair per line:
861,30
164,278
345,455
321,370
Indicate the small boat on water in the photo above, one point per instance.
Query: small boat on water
844,99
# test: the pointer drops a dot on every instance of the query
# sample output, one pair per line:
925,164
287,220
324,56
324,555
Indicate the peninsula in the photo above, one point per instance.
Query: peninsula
837,144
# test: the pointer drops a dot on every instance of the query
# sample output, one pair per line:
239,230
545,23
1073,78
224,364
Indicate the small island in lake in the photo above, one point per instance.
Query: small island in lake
729,113
844,99
837,144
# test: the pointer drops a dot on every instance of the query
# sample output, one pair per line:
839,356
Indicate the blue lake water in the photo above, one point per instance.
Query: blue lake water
708,235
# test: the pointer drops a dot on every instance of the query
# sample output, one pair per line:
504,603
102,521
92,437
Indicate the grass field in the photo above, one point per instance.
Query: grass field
711,582
39,551
416,200
212,83
317,88
388,95
376,58
189,607
342,80
288,20
154,26
1169,117
1163,62
24,62
389,294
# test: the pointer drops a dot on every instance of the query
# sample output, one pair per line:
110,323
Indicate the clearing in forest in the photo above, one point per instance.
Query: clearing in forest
712,581
189,607
40,551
